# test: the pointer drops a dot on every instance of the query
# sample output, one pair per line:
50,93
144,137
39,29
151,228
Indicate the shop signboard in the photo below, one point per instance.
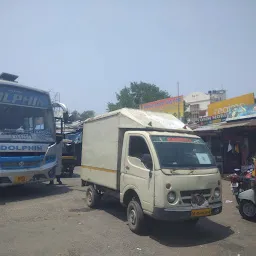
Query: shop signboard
171,105
206,120
223,107
242,112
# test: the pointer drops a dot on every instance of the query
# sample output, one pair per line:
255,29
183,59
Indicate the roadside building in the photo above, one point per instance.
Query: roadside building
198,104
217,95
231,135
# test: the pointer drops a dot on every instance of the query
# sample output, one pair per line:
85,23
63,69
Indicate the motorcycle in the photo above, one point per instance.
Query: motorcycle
247,206
240,182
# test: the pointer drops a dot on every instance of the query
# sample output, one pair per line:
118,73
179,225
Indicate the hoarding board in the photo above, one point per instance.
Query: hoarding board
224,106
212,119
241,112
171,105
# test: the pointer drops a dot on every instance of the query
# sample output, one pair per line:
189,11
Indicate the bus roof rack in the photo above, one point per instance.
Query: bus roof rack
8,77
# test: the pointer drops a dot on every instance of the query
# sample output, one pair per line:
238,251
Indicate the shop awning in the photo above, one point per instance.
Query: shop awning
209,128
247,123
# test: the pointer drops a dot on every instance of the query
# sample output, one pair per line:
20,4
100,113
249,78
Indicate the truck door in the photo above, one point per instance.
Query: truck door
138,171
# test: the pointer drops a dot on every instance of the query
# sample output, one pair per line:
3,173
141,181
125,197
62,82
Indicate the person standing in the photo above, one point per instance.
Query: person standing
59,160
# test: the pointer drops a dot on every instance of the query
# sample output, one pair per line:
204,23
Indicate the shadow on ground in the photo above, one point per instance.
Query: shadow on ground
174,234
30,191
66,175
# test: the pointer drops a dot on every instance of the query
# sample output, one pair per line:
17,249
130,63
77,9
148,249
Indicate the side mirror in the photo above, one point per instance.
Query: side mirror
147,161
59,138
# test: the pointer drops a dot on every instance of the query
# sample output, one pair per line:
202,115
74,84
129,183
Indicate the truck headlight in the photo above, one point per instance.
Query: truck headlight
171,197
216,193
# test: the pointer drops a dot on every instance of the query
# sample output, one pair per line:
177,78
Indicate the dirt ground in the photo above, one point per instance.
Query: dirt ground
54,220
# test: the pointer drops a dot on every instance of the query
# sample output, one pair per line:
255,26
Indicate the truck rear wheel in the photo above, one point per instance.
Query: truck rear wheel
135,217
92,197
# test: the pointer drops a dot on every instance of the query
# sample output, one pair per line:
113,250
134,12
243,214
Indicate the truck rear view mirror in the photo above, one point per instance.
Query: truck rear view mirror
147,161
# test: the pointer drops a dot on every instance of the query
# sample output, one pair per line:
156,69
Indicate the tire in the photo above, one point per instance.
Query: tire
70,174
247,210
135,217
92,197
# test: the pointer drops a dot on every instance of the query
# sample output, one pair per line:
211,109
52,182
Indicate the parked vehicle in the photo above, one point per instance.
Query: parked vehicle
68,157
153,164
247,206
28,143
240,181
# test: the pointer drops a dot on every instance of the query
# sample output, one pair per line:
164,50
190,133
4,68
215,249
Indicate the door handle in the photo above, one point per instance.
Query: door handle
127,167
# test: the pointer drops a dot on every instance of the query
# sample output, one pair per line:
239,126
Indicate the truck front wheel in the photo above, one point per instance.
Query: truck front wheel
92,197
135,217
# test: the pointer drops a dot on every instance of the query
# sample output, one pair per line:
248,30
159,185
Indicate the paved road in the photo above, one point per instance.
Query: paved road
42,220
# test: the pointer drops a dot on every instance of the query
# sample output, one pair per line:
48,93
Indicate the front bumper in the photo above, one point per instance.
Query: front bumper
31,175
182,212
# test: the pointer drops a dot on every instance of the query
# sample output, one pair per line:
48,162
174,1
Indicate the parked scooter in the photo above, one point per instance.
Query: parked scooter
240,181
247,206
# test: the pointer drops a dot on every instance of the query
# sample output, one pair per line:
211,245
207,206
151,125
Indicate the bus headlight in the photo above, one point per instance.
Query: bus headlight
216,193
171,197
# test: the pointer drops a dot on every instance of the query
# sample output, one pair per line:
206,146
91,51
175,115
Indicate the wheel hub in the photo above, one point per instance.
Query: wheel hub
133,217
89,196
249,209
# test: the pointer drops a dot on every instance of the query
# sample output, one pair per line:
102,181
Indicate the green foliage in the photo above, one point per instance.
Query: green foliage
137,94
187,114
87,114
75,115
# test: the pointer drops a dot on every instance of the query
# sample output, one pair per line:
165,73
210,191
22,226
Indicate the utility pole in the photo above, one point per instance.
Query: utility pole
178,87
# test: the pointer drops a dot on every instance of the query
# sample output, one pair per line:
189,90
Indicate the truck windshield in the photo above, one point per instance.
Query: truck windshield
20,123
182,152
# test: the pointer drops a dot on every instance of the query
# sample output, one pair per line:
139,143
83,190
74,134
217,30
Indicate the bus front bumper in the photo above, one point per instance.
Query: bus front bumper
29,175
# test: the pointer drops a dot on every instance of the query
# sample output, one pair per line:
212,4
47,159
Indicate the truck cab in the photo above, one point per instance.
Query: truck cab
173,175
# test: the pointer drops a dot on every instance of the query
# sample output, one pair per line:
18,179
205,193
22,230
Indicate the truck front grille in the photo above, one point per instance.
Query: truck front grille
186,195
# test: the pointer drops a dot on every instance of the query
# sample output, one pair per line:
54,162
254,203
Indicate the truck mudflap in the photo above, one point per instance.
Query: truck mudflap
180,213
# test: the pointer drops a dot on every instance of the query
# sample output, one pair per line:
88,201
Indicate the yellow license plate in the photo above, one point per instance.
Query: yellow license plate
21,179
201,212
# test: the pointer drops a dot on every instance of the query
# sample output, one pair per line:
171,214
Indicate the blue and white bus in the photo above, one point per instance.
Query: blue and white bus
28,146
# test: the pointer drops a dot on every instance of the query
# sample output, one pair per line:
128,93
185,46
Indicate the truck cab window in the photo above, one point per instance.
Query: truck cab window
138,147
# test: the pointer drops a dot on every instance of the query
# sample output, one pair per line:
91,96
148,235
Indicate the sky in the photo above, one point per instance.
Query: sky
87,50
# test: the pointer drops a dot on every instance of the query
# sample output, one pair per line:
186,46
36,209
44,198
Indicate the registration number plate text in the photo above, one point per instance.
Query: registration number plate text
21,179
201,212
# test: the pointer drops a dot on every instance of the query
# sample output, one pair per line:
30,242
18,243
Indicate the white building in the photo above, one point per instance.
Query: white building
198,104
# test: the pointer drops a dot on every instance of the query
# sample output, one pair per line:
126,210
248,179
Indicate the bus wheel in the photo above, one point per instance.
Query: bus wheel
71,172
92,197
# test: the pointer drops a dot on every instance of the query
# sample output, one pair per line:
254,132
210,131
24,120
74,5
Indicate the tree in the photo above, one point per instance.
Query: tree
137,94
75,115
187,113
87,114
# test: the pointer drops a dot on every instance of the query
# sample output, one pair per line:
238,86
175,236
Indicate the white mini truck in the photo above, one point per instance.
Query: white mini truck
153,164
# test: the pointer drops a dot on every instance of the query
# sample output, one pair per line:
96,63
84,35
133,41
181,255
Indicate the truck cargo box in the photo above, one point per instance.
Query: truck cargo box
103,137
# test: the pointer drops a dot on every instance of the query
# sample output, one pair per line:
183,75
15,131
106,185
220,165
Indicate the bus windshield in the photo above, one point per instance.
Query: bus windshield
182,152
20,123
